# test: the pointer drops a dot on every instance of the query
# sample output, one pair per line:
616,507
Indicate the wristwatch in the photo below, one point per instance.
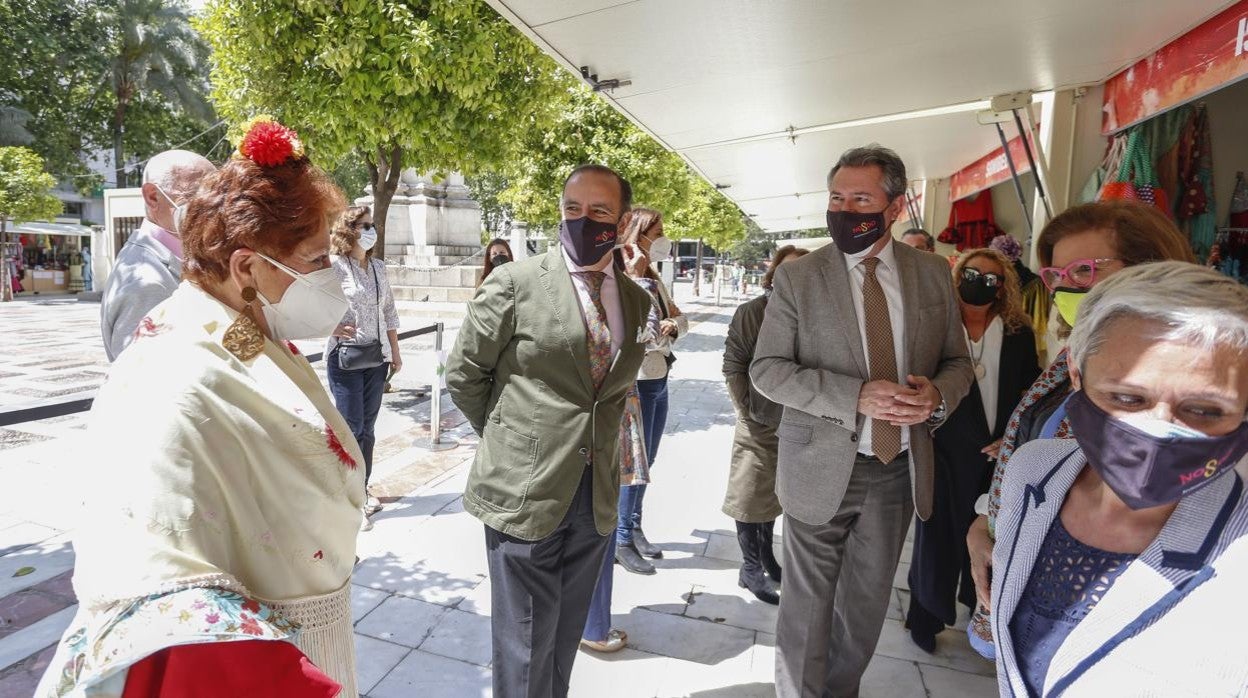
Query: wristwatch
938,414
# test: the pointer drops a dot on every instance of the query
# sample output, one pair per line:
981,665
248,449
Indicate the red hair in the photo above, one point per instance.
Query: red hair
267,209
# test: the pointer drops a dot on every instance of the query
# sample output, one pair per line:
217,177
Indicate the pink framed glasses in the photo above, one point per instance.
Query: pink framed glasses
1080,273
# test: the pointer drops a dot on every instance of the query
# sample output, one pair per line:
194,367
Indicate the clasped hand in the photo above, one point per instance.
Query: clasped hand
899,405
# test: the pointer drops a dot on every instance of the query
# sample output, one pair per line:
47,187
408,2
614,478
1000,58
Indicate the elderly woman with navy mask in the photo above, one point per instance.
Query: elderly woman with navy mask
1122,555
364,351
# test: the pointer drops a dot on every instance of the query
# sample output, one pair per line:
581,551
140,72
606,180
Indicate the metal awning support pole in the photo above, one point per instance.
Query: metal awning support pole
1018,184
1025,133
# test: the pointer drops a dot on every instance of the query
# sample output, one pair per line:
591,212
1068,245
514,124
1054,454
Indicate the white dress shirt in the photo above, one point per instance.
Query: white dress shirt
988,352
890,280
610,299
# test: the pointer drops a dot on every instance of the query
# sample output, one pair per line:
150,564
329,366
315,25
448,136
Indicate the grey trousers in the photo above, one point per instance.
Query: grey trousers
540,592
838,582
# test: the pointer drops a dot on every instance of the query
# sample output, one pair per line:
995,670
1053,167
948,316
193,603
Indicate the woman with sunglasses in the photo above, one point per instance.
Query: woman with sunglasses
1077,250
1003,352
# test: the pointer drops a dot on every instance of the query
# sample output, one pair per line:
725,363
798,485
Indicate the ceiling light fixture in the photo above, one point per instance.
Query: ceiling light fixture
792,132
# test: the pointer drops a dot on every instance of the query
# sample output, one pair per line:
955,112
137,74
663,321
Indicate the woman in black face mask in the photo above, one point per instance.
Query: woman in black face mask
1122,555
1003,352
497,253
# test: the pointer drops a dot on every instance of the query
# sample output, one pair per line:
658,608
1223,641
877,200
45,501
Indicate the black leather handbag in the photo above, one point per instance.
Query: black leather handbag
359,357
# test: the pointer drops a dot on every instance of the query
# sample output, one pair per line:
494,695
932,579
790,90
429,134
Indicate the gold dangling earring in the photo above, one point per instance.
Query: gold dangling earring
243,337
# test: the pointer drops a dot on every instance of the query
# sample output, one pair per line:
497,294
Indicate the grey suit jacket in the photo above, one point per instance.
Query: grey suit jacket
810,359
1171,624
144,275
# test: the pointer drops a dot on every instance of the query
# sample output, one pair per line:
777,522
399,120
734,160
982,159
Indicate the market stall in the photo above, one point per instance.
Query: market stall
48,257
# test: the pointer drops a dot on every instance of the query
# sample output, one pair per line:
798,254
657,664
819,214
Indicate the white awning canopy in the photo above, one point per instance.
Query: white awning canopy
762,97
52,229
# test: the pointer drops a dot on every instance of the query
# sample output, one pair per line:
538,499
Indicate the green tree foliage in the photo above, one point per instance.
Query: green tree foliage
24,187
83,75
590,130
755,247
156,61
438,85
53,78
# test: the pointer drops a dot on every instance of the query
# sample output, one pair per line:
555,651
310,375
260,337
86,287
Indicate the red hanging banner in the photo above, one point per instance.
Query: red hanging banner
1210,56
988,171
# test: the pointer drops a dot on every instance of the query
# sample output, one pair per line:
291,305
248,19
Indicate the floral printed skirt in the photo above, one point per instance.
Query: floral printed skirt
634,466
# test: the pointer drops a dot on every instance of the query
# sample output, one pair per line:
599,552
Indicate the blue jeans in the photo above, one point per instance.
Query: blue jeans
357,395
598,622
653,395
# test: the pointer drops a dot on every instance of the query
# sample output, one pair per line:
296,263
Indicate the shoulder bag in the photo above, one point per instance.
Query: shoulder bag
358,357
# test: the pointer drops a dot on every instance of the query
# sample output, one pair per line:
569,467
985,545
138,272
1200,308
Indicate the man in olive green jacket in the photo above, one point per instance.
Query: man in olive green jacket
534,374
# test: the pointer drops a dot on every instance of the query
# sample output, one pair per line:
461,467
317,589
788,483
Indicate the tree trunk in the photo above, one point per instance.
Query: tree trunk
697,270
118,128
385,175
6,293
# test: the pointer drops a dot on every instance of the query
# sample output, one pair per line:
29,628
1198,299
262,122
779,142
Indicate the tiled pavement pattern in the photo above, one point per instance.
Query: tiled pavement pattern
421,593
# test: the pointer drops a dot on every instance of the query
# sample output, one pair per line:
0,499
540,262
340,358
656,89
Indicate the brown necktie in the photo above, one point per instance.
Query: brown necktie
881,358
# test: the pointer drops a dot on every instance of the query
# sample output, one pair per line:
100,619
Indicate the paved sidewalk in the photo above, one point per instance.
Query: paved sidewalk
421,591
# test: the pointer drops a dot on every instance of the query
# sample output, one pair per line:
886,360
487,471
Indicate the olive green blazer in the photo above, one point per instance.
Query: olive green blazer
520,373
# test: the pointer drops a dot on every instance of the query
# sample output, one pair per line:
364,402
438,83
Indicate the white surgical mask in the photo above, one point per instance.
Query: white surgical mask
179,211
311,307
660,250
368,238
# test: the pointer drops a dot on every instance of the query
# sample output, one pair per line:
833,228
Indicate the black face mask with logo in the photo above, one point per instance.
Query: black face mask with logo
586,240
854,232
499,260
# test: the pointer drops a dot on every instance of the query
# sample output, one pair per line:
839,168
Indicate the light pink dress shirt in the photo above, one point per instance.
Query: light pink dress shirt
171,242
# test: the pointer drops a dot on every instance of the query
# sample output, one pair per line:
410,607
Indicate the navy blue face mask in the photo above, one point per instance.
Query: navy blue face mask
1153,462
586,240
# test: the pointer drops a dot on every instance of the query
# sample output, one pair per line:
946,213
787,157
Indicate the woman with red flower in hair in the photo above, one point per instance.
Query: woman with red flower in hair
219,531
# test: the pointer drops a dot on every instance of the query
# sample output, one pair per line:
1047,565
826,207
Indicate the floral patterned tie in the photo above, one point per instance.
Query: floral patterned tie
597,330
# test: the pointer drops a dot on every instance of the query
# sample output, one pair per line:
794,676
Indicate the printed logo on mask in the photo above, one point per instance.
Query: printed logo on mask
864,228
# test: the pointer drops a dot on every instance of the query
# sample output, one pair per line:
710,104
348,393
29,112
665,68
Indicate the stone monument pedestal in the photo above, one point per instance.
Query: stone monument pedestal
433,232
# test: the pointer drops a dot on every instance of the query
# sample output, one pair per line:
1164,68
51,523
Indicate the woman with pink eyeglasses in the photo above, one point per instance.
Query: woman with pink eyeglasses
1078,249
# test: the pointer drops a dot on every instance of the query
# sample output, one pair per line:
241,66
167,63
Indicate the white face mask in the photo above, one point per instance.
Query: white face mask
311,307
179,211
368,238
660,250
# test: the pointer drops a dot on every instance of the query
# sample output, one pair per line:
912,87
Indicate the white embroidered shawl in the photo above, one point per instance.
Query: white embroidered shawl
203,470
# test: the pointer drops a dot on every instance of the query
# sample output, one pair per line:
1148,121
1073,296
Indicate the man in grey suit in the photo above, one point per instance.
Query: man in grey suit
863,346
149,267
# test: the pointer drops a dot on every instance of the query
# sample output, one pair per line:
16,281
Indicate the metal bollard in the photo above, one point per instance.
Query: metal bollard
436,442
435,407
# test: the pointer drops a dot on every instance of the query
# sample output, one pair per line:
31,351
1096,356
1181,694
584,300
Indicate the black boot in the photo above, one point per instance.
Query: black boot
752,577
768,553
644,546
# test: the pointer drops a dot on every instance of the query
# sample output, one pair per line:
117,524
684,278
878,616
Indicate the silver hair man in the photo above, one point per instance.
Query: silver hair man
169,180
149,267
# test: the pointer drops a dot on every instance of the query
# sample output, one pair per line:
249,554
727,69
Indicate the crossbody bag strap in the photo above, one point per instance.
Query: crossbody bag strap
377,283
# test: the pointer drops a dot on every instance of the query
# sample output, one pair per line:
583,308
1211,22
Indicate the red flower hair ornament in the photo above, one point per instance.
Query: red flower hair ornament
268,143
